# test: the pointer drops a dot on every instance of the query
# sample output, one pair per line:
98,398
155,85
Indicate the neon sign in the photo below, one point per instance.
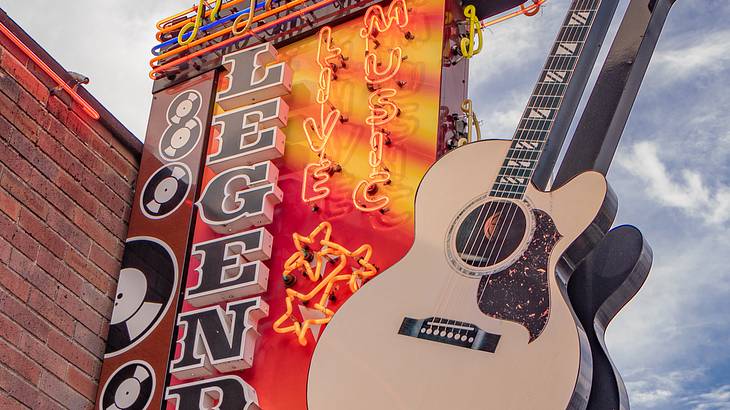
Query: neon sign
383,109
350,267
162,63
319,131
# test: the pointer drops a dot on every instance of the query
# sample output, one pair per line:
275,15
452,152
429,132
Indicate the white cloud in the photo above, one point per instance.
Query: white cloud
109,42
702,54
687,191
715,399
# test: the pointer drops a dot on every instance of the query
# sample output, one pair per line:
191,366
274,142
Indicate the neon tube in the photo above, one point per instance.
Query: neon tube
157,50
220,33
156,72
161,24
43,66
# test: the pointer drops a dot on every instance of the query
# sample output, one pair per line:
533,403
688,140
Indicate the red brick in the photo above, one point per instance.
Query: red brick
27,79
58,270
24,193
47,308
5,249
51,193
9,86
98,299
61,156
19,362
10,330
104,331
18,118
77,192
79,310
42,354
62,393
113,223
24,243
42,233
58,109
122,164
75,146
10,158
9,205
90,340
105,261
22,315
14,283
118,185
34,110
36,276
27,149
74,353
105,195
7,402
18,388
90,272
69,231
82,383
95,230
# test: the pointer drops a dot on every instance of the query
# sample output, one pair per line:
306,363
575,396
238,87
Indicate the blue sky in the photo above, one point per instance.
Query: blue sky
671,171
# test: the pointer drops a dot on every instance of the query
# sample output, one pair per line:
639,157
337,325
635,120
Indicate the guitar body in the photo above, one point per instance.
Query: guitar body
409,339
608,278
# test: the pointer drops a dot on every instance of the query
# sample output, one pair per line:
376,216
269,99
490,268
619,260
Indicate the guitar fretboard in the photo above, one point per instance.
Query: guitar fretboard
537,120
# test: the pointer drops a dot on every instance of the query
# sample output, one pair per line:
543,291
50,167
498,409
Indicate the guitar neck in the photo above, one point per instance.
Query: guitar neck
547,97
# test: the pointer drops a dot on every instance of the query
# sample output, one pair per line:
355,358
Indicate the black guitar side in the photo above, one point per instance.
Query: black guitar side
601,285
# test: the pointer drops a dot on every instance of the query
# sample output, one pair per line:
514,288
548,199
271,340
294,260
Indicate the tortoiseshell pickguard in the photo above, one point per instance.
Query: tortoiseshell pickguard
521,293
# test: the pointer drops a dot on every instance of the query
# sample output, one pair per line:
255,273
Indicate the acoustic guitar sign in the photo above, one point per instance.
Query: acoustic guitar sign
272,188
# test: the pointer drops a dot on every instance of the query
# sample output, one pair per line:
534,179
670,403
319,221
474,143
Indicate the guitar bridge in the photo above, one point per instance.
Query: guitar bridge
451,332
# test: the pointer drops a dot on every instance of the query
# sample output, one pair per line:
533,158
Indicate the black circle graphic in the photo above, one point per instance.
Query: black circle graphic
165,191
146,284
185,129
129,388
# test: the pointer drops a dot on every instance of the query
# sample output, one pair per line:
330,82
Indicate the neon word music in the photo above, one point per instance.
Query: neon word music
379,71
237,202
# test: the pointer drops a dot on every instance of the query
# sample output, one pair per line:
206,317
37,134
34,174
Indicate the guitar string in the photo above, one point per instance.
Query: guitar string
580,31
521,154
537,104
471,240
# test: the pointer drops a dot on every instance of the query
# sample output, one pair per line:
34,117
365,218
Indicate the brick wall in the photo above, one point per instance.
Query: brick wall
66,186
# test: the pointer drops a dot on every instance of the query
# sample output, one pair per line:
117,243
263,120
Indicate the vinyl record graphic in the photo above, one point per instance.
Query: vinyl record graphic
129,388
147,280
165,191
185,129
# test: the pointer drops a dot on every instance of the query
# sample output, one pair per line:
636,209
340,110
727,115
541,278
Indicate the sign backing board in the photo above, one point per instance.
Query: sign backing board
280,364
146,300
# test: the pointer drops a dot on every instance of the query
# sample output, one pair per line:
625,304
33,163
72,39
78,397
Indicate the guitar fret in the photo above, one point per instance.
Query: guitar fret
535,124
525,155
530,135
544,103
524,173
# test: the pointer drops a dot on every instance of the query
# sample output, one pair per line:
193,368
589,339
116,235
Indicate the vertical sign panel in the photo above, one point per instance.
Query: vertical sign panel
307,192
138,347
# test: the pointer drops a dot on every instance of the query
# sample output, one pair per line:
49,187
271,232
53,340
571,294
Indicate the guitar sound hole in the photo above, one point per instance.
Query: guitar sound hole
490,234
